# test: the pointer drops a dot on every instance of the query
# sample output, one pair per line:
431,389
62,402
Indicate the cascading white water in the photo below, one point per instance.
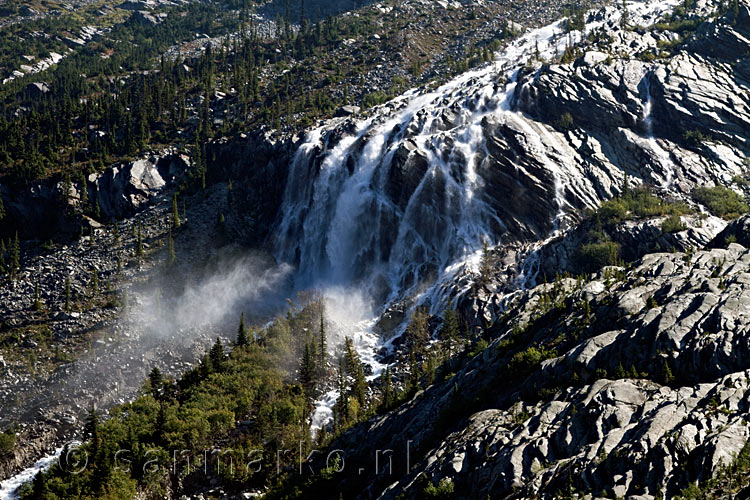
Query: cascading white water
661,156
344,223
9,487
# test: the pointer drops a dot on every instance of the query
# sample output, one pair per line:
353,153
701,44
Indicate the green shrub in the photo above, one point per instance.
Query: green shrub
565,122
594,256
721,201
7,442
526,361
478,347
695,137
673,224
638,203
443,490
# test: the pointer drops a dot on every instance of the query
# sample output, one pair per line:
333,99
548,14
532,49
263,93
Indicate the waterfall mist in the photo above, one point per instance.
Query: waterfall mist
251,284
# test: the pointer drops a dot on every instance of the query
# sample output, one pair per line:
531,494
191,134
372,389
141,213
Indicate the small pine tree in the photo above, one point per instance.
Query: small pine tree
625,14
171,254
307,375
242,339
385,383
450,329
15,257
91,428
37,299
414,374
156,380
119,264
341,407
94,283
39,488
3,249
418,331
175,212
84,191
216,354
116,231
2,209
322,341
668,375
139,247
67,294
485,266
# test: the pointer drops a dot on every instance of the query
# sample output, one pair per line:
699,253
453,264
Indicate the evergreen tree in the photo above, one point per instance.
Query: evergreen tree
385,383
91,429
67,294
414,373
175,212
355,371
450,330
341,407
15,257
307,372
171,254
485,266
3,249
157,382
624,14
139,247
94,283
116,231
242,338
2,209
84,191
322,340
37,299
39,487
418,332
67,188
216,354
432,364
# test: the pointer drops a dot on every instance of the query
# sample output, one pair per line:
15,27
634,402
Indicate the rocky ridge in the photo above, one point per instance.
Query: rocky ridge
641,394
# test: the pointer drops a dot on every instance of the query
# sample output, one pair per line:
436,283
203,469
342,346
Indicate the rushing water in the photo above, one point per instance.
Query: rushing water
661,156
9,487
343,225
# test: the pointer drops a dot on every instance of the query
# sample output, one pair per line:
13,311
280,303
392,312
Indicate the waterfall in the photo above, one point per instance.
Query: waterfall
660,155
346,221
395,205
9,487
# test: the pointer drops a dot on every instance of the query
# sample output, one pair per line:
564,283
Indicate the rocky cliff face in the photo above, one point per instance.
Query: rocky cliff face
46,210
639,393
634,382
675,116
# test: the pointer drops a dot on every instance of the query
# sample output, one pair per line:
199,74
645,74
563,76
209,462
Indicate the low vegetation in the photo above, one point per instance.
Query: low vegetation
599,247
721,201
